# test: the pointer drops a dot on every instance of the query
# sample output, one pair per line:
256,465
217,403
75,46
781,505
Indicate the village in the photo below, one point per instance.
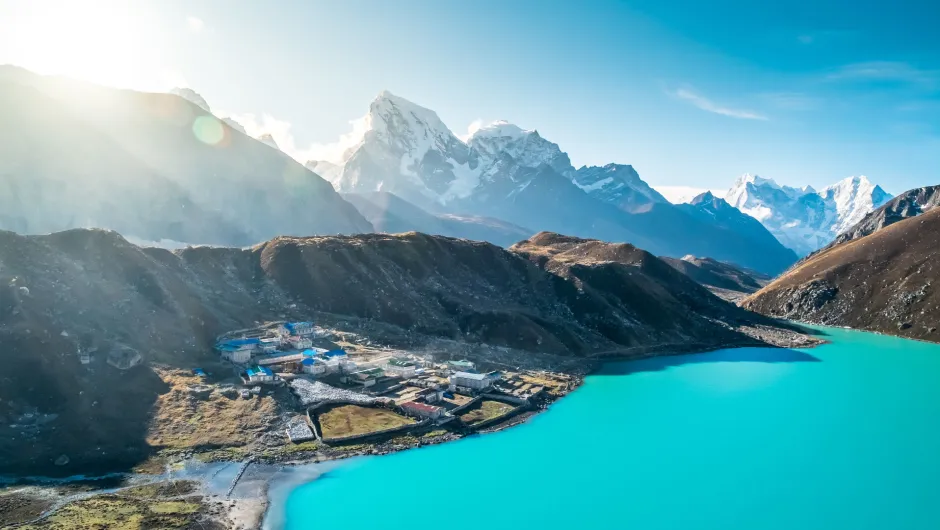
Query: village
350,394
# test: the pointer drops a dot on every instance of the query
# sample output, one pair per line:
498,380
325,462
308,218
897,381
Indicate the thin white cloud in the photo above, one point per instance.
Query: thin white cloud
280,130
474,126
708,105
195,24
886,71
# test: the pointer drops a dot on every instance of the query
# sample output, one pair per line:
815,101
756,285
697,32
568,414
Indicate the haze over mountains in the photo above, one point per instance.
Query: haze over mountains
151,166
506,172
803,219
175,172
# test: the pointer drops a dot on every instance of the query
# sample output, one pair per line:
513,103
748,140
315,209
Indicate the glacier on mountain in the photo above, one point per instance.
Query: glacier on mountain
804,219
406,149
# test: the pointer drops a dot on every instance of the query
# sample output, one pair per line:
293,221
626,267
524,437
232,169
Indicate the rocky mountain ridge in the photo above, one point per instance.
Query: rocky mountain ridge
881,282
92,291
506,172
908,204
724,280
804,219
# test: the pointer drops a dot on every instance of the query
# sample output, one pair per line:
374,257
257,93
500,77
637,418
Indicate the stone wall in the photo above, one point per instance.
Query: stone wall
522,405
312,418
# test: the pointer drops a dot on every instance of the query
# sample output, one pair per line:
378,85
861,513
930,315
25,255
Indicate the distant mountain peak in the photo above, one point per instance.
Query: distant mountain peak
755,180
501,129
802,218
235,125
619,184
268,140
390,114
192,96
707,196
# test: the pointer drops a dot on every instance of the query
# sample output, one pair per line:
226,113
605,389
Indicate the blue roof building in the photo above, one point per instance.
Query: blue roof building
299,328
259,373
335,353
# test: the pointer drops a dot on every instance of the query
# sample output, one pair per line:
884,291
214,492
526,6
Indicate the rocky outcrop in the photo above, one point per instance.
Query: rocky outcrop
880,282
908,204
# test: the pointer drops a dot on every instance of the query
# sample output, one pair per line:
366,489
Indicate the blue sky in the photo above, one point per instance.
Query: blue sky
692,93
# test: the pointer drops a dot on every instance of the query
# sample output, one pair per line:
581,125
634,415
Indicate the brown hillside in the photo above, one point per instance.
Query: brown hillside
91,290
723,279
880,282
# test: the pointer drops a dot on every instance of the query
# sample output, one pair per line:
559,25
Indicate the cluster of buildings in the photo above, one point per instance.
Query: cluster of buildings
287,336
259,351
319,361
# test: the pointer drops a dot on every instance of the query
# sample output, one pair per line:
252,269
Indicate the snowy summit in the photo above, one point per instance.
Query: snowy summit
804,219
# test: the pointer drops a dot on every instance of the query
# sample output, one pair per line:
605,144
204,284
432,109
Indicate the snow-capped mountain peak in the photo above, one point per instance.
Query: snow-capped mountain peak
802,218
854,198
393,118
526,148
500,129
192,96
619,184
406,149
268,140
235,125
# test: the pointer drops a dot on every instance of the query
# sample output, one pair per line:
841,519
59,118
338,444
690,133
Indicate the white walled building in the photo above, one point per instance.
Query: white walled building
314,366
473,381
259,374
300,342
403,368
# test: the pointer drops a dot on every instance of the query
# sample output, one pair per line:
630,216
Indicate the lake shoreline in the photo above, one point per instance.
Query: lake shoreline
235,512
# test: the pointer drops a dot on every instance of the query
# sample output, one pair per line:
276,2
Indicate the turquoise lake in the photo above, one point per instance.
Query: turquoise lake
843,436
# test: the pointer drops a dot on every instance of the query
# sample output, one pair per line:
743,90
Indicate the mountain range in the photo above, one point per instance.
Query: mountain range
804,219
505,172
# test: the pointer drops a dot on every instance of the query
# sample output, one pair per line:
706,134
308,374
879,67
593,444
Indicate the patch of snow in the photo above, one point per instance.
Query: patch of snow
595,186
804,219
268,140
190,95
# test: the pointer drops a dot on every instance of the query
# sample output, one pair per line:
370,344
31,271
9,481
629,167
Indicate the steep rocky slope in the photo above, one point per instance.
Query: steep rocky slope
617,184
880,282
723,279
908,204
153,166
92,291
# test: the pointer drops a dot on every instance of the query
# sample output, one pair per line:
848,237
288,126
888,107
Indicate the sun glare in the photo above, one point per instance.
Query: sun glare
104,42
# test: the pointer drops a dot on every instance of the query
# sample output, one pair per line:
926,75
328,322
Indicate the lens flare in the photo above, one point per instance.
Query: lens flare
208,130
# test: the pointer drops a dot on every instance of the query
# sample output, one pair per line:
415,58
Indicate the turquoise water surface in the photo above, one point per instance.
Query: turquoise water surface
844,436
